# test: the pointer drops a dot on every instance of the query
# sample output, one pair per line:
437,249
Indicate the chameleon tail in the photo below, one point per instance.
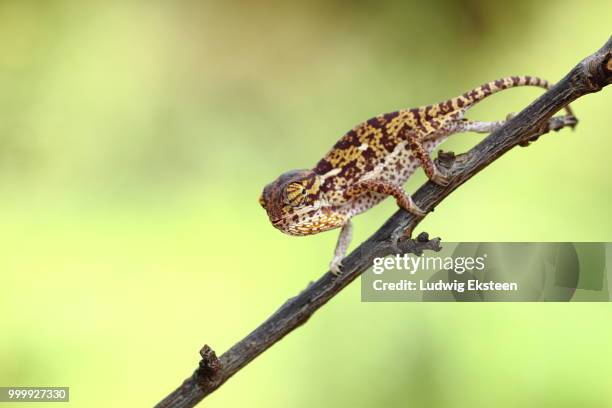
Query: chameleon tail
470,98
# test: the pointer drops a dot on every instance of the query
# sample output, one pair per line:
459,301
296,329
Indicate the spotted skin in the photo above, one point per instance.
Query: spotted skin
371,162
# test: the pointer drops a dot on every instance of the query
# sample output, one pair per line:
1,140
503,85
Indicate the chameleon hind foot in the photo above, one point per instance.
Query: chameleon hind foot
555,124
559,122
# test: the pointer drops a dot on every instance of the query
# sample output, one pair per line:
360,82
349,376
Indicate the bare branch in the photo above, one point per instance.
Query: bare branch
590,75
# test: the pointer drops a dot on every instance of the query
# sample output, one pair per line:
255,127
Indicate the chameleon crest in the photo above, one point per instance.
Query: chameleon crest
371,162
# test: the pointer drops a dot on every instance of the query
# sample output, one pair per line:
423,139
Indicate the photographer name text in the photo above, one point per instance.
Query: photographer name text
454,286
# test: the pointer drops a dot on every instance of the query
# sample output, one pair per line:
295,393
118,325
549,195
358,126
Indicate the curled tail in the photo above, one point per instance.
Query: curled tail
470,98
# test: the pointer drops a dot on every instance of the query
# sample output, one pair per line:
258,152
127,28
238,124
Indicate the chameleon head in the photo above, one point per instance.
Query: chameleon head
296,205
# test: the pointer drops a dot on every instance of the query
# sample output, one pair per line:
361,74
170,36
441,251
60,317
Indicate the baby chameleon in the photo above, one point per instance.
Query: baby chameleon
373,161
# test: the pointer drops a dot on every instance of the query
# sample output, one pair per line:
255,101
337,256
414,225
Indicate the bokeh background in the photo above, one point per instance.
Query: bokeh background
135,138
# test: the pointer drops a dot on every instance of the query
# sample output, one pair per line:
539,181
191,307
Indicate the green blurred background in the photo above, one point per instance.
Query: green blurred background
135,138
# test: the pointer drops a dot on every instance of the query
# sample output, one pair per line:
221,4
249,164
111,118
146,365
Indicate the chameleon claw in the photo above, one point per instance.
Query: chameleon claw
440,179
408,205
554,124
559,122
335,267
417,211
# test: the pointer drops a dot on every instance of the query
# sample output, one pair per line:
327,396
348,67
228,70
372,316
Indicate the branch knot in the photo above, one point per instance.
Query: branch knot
209,366
406,245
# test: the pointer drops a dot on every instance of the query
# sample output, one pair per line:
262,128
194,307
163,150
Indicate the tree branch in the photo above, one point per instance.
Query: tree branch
590,75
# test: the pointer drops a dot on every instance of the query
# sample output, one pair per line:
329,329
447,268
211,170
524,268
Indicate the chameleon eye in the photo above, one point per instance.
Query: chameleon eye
295,194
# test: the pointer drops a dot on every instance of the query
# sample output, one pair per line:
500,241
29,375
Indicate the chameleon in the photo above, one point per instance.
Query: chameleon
371,162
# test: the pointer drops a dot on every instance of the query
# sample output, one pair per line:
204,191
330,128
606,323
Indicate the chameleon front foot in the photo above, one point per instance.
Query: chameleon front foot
342,245
335,267
439,178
